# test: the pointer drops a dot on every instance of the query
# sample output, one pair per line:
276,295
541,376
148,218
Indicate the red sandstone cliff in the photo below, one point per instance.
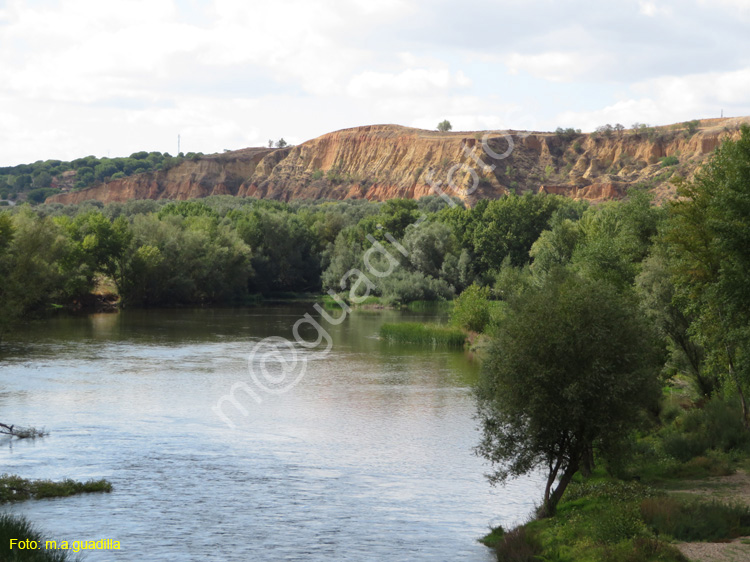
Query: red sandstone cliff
386,161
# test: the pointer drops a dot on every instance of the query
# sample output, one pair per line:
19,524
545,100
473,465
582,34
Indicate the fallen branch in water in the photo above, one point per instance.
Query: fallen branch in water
21,432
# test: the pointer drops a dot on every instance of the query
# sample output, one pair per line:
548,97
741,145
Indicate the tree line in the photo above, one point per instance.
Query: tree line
35,182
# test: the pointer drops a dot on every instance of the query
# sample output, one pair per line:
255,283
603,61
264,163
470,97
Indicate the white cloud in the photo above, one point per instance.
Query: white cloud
409,82
672,99
652,9
84,76
556,66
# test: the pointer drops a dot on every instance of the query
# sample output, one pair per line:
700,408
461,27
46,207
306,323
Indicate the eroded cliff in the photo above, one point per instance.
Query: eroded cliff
387,161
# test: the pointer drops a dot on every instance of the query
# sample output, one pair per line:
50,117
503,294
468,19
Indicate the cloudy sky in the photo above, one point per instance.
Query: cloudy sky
112,77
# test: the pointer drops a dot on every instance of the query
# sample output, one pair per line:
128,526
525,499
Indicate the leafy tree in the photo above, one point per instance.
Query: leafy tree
281,143
471,310
615,238
101,245
444,126
569,368
394,217
103,171
31,276
39,195
554,247
662,305
567,134
42,179
283,256
510,226
605,130
711,241
428,244
22,182
10,308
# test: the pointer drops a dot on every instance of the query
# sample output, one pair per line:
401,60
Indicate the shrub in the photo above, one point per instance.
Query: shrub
518,545
494,537
19,528
567,134
695,520
716,426
471,310
617,523
669,161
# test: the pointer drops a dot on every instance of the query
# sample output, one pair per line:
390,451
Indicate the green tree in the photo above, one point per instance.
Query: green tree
663,306
394,217
39,195
103,171
42,179
444,126
568,370
427,245
471,310
510,226
709,235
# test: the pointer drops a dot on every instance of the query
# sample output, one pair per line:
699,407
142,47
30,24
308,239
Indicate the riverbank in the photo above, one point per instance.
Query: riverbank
679,491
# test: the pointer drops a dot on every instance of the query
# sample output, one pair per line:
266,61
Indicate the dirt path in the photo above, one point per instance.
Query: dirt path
733,488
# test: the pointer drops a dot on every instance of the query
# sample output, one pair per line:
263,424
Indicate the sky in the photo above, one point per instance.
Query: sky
110,78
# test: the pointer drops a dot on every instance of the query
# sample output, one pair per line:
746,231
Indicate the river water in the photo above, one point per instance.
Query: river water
368,457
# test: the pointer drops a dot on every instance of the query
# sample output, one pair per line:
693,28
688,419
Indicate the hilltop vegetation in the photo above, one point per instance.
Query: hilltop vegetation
35,182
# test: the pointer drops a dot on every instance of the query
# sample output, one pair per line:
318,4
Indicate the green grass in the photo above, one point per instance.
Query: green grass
597,521
608,520
494,537
19,528
434,335
15,488
695,520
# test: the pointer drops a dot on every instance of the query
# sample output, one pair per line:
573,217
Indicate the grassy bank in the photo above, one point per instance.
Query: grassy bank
434,335
604,519
660,489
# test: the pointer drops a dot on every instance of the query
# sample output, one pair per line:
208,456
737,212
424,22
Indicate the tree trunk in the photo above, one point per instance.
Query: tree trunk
587,464
550,505
736,380
551,478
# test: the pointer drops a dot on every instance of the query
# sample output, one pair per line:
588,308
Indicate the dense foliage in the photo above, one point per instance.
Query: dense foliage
612,304
35,182
571,364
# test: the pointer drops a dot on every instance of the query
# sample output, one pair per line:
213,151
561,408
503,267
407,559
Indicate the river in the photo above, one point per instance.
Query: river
368,457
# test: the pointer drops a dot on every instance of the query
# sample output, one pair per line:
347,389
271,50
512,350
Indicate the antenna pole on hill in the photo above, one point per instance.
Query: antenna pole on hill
178,145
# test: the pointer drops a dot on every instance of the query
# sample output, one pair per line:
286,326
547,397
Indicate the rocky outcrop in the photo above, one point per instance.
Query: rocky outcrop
386,161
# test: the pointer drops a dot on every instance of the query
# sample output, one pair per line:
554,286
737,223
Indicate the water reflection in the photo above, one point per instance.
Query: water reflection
368,458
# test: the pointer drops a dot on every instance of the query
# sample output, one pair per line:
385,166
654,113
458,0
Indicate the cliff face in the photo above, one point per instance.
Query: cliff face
386,161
